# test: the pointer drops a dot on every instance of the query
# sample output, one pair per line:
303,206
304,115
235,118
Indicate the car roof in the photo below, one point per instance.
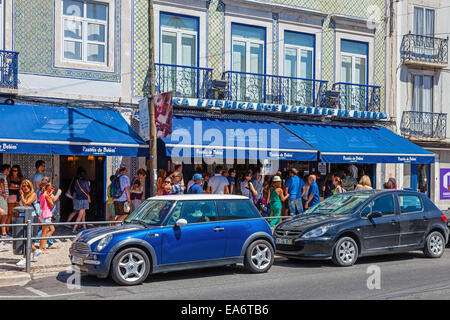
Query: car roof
380,191
199,197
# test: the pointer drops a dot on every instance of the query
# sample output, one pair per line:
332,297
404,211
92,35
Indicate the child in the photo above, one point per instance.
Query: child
46,201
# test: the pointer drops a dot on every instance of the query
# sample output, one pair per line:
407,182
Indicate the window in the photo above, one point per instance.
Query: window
423,22
354,61
85,26
409,203
194,212
298,54
179,37
151,212
385,205
237,209
422,93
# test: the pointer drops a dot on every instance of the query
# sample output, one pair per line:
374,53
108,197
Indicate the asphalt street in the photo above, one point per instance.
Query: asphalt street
402,276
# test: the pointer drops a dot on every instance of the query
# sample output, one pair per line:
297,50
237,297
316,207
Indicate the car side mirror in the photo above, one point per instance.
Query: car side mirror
375,214
180,223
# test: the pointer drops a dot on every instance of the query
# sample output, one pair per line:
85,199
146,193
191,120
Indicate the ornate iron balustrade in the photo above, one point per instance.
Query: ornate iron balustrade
418,48
424,124
9,66
184,81
359,97
265,88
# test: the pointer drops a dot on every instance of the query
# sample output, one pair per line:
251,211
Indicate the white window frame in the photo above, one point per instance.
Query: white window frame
84,30
299,58
248,42
353,56
422,75
110,34
180,34
424,22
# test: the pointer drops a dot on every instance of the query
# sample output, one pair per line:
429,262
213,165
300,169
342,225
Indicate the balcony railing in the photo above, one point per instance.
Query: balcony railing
359,97
424,50
9,66
424,124
265,88
183,81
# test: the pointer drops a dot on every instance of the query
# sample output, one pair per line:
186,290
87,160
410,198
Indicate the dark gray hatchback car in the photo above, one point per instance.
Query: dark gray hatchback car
363,223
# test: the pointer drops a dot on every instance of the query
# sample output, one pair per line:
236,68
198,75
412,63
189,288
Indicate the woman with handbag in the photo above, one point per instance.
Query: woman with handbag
82,198
28,197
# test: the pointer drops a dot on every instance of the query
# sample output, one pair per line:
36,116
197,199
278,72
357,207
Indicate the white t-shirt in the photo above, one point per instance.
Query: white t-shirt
218,184
354,170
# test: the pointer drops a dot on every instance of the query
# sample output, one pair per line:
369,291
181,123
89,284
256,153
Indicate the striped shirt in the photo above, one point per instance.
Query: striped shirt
177,189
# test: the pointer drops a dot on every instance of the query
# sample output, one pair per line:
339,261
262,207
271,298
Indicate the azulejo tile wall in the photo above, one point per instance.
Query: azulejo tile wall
33,37
216,31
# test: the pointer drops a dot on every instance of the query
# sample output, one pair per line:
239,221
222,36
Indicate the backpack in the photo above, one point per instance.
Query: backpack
37,208
115,191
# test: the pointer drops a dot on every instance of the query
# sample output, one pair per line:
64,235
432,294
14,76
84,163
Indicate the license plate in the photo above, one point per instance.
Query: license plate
284,241
77,260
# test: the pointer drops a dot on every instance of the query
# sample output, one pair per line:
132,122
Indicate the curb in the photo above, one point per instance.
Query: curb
21,278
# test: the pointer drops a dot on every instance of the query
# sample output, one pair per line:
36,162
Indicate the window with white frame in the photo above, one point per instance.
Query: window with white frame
422,93
298,54
354,62
85,31
423,21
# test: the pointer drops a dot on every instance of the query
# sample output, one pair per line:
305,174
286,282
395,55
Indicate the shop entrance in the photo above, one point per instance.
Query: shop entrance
94,167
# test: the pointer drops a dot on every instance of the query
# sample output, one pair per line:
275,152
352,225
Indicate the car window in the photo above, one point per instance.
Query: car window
237,209
384,204
194,212
368,209
152,212
409,203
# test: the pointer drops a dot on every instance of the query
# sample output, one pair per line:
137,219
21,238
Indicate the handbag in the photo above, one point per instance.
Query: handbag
37,208
68,194
86,194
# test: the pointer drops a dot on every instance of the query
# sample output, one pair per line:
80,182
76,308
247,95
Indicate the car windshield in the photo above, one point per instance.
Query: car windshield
151,212
340,204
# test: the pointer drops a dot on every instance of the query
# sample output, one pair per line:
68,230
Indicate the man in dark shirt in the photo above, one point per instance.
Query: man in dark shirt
196,188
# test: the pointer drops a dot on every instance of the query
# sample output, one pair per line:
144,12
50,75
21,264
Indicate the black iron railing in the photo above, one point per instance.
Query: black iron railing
424,49
424,124
359,97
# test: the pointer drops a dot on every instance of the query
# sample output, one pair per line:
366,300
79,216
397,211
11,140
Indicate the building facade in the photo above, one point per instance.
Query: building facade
420,47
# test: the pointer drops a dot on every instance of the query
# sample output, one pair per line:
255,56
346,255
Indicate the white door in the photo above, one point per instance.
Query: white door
353,72
298,63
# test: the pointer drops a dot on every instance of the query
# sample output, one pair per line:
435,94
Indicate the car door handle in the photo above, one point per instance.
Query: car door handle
218,229
425,218
394,222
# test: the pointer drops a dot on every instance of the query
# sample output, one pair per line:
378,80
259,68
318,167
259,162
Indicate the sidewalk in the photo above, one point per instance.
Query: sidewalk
54,261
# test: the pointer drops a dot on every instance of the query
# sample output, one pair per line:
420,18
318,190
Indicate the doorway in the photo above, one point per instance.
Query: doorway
95,168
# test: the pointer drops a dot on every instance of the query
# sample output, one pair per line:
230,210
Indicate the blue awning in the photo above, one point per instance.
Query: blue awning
343,144
36,129
234,139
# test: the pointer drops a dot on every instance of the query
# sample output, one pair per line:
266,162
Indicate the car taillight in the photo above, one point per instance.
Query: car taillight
444,218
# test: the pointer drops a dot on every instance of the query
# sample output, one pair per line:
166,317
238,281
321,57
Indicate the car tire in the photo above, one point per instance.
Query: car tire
259,256
434,245
130,267
345,252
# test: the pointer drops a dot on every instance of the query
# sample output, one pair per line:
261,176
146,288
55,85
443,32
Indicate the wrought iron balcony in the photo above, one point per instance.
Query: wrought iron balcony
424,124
359,97
265,88
424,50
184,81
9,66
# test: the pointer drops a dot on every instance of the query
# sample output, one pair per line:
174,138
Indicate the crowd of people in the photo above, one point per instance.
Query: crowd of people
38,193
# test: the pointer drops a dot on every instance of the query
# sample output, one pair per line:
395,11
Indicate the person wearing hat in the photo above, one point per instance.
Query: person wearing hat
196,188
275,200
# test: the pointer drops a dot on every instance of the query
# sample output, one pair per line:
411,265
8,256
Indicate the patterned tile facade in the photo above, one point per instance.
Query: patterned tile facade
33,38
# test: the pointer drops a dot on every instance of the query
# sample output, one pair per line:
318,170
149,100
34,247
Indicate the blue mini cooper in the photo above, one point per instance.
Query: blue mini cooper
170,233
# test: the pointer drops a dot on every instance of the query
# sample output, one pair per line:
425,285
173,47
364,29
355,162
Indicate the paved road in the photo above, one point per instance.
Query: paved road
403,276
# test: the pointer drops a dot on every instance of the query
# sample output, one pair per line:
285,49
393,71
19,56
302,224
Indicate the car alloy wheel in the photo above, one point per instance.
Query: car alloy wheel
261,256
347,252
436,245
131,267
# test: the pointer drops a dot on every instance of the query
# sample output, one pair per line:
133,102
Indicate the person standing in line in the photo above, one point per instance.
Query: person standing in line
179,170
137,191
47,204
4,202
393,183
275,199
110,201
218,184
232,180
353,171
313,192
15,179
337,182
364,184
167,186
81,201
257,184
247,188
348,183
177,187
329,186
125,195
161,176
206,177
295,188
37,179
196,188
27,198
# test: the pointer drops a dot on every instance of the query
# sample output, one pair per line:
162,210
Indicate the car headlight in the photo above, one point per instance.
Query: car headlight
104,242
315,232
